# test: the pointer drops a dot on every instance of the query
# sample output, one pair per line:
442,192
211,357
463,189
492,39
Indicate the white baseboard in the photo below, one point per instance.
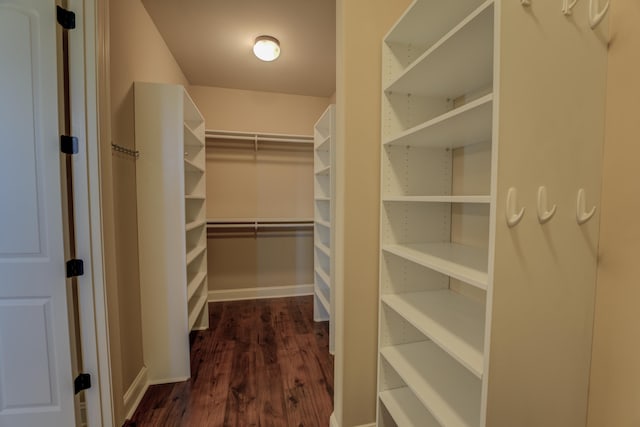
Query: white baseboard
134,394
260,293
333,422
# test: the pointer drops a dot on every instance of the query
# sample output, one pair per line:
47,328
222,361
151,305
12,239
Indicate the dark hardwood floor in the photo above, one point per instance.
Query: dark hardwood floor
262,363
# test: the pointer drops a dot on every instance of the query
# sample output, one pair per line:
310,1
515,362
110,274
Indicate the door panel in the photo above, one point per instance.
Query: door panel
36,386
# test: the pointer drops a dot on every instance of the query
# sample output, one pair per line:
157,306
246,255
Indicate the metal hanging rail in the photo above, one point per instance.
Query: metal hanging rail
256,138
257,225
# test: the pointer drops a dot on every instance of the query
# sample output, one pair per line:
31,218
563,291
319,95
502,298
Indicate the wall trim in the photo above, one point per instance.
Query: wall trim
136,391
260,293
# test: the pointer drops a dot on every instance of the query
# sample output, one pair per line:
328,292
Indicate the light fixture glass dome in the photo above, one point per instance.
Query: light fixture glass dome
266,48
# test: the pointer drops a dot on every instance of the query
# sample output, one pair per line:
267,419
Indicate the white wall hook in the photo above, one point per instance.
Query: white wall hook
567,8
513,217
595,16
544,214
582,215
525,2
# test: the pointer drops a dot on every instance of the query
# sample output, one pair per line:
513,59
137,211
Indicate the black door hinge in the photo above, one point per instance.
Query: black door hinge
82,382
66,18
75,268
68,144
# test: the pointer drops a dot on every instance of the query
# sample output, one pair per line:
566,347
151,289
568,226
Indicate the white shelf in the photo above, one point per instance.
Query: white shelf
195,224
192,167
194,197
195,252
466,125
449,392
197,309
323,223
190,138
458,261
324,276
452,321
323,145
323,199
323,301
406,410
324,171
323,248
438,199
195,284
460,62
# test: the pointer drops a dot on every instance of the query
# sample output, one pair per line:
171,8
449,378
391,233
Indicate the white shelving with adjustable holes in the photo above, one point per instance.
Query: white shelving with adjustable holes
172,235
437,107
461,280
324,206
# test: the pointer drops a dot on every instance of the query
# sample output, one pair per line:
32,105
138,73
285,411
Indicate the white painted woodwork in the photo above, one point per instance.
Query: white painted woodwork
36,384
462,295
324,208
170,175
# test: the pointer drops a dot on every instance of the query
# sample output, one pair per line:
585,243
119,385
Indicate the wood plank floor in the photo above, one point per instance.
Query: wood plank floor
262,363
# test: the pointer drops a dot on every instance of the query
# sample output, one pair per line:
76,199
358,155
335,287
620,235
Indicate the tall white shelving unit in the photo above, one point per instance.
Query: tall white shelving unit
445,244
324,206
170,177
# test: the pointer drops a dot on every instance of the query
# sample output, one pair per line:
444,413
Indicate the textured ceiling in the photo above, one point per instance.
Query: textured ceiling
212,41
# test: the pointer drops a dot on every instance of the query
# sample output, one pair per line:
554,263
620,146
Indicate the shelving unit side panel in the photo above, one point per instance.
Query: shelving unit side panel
161,239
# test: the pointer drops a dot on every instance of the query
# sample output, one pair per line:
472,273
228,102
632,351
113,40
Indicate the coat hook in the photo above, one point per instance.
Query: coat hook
567,8
525,2
582,215
596,17
544,214
513,218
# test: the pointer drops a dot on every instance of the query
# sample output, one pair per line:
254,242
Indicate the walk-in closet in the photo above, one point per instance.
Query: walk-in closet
319,213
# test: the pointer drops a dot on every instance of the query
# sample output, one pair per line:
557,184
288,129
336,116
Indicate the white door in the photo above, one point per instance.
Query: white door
36,384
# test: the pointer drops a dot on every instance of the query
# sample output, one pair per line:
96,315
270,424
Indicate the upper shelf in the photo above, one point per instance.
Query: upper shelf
324,171
438,199
190,138
461,62
461,262
466,125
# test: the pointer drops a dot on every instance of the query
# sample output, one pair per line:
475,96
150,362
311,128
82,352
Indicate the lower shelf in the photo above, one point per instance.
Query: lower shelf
448,391
405,409
197,310
323,300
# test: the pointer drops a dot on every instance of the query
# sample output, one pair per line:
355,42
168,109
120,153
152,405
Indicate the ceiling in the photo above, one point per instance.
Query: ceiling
212,41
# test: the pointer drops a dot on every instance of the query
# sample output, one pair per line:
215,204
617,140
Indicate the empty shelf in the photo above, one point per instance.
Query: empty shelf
323,300
446,389
193,197
323,171
406,410
323,199
466,125
190,138
454,322
324,276
195,252
439,199
323,223
195,283
323,248
322,144
195,224
458,261
197,309
191,167
460,62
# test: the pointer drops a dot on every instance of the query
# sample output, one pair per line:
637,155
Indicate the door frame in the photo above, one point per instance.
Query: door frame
86,98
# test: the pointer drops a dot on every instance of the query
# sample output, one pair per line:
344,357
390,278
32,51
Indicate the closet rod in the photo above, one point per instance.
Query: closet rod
258,137
259,225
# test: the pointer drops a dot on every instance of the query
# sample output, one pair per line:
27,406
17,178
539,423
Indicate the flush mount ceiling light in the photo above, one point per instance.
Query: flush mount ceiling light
266,48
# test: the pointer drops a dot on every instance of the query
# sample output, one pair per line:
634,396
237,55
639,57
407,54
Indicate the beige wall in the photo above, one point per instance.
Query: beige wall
361,26
137,53
615,371
252,111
